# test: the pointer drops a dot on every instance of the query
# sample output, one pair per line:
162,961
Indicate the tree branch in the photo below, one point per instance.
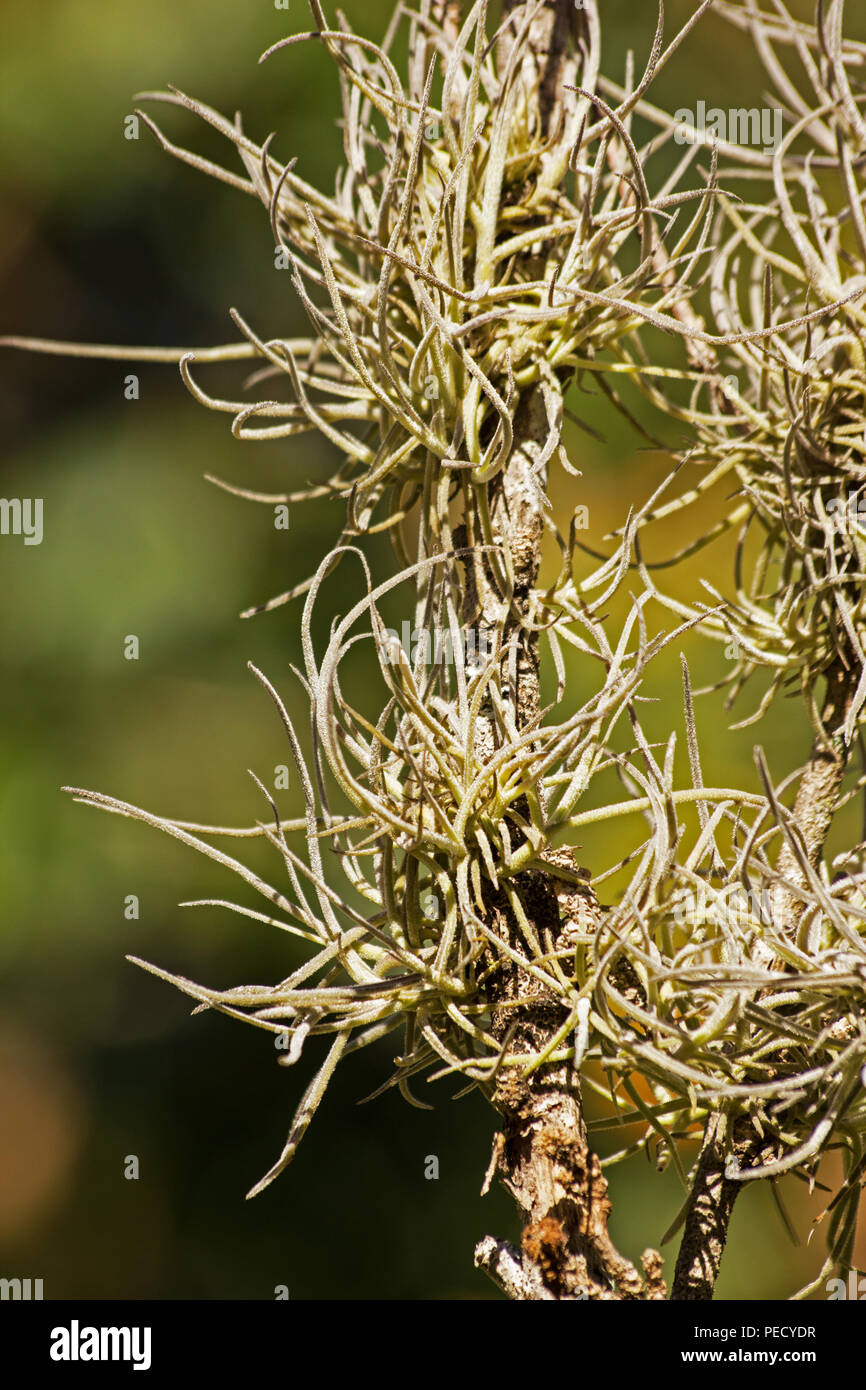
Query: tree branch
710,1208
542,1155
818,792
714,1195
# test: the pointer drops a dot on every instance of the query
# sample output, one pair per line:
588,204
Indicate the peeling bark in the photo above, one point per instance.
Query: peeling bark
542,1155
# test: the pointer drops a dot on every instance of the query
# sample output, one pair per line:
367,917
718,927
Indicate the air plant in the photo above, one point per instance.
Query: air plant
776,414
496,231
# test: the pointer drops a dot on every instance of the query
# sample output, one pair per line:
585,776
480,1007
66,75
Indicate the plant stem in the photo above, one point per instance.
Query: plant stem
710,1208
713,1195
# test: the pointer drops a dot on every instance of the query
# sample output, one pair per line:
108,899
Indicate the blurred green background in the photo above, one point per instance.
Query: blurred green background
107,239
